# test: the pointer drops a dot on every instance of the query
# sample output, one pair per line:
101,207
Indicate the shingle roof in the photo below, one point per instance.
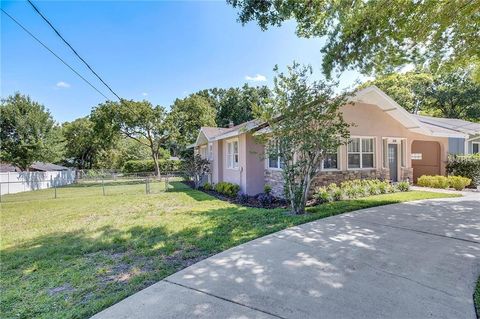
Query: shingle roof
40,166
6,167
211,132
450,124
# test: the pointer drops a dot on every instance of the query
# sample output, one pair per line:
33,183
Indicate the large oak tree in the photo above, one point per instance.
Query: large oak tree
140,121
28,132
378,36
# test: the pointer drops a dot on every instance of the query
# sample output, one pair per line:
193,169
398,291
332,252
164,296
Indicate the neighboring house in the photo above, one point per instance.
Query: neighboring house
386,142
469,145
7,168
47,167
35,167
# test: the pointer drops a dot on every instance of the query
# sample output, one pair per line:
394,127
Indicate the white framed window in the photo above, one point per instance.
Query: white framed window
203,152
475,147
361,152
331,162
274,160
210,152
232,154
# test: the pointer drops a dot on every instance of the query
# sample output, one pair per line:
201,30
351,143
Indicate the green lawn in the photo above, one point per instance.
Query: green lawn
73,256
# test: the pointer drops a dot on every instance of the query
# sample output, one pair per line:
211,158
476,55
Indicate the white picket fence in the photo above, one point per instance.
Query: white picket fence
16,182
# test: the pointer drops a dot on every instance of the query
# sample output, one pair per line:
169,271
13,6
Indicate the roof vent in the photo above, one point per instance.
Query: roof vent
230,124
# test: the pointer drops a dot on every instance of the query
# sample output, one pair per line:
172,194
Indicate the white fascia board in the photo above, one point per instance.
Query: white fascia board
373,95
200,133
472,137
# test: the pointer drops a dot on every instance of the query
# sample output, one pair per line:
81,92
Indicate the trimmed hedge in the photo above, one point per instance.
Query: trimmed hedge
138,166
465,165
357,188
438,181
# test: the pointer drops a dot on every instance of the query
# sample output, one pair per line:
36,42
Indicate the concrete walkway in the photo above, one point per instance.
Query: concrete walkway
412,260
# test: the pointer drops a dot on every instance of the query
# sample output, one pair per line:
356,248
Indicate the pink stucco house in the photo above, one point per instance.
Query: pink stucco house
386,142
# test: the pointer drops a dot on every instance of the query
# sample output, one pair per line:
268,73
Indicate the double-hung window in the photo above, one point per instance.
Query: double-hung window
361,152
274,159
232,154
331,162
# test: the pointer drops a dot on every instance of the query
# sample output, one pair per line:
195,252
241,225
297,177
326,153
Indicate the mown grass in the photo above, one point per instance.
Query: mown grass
73,256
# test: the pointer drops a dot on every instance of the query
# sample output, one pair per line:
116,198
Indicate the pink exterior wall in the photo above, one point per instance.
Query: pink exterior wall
250,172
217,162
255,164
371,121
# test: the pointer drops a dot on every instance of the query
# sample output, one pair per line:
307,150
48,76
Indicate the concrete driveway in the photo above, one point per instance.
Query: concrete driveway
411,260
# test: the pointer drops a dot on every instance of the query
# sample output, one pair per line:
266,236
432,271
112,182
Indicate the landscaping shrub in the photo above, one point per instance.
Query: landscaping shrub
458,182
265,199
243,198
267,189
322,195
436,181
138,166
403,186
228,189
207,186
357,188
465,165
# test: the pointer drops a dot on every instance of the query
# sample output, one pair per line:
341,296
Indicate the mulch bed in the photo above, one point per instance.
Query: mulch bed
247,201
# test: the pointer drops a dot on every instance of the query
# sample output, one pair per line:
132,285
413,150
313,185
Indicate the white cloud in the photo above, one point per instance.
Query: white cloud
256,78
144,94
63,85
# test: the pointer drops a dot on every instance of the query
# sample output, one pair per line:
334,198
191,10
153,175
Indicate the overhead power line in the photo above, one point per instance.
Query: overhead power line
46,47
71,48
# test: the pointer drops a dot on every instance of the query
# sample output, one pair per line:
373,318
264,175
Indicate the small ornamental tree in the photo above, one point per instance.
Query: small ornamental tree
196,168
304,126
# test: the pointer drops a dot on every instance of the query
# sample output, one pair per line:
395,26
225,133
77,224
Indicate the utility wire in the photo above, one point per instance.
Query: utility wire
75,52
63,61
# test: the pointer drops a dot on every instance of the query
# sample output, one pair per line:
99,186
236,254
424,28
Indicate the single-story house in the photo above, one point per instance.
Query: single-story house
386,142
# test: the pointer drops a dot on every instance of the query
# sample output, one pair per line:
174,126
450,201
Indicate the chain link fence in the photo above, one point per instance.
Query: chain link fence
96,183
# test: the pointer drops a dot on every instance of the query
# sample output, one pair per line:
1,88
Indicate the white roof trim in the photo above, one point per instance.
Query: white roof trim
201,133
373,95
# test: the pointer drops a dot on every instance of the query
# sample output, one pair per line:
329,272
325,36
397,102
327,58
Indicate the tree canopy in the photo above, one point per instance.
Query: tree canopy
378,36
451,94
235,104
140,121
28,132
187,116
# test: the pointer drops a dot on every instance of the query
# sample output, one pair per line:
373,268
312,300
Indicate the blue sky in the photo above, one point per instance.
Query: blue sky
153,50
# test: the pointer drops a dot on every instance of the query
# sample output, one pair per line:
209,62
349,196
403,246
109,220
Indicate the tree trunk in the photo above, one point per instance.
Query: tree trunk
157,166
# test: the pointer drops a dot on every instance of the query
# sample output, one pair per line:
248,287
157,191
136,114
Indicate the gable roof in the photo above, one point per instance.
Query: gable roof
209,134
373,95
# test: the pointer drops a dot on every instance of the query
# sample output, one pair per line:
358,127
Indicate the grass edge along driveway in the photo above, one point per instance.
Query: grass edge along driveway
72,257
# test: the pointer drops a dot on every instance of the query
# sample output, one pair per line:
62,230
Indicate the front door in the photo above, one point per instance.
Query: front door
393,161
